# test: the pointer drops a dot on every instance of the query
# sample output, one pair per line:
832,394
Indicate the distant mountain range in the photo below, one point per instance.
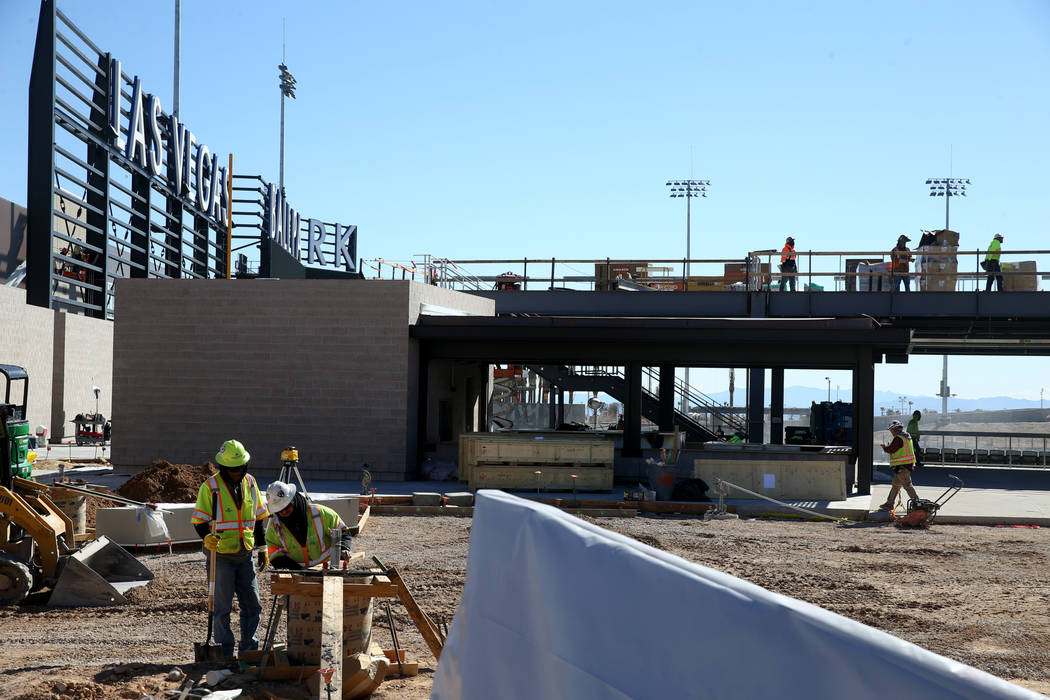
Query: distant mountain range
802,396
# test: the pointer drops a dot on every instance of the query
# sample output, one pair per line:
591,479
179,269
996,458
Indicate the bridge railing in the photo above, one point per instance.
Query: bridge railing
827,271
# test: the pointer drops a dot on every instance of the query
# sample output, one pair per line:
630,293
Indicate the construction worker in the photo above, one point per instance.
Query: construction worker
902,461
900,256
232,499
788,267
991,264
913,433
300,534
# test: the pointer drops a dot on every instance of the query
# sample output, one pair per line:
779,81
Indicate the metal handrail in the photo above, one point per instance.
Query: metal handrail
453,273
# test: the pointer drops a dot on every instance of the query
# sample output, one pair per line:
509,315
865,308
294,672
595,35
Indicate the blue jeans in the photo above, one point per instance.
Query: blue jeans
235,574
898,280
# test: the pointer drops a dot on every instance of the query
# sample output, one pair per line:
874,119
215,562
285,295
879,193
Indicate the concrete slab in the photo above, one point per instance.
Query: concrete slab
420,498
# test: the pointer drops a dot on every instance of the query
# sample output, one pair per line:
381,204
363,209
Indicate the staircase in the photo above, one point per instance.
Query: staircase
611,381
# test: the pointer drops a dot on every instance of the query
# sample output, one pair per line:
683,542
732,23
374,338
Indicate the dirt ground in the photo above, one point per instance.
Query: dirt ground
980,595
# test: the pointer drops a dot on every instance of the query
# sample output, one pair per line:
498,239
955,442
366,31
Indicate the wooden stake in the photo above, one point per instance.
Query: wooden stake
332,633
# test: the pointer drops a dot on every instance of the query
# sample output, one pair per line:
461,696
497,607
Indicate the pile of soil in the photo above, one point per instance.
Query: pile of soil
93,504
164,482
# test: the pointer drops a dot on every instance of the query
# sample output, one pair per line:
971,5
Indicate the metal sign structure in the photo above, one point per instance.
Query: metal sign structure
116,187
286,240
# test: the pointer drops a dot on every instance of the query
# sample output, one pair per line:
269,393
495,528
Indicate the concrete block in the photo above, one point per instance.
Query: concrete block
420,498
346,506
127,525
460,498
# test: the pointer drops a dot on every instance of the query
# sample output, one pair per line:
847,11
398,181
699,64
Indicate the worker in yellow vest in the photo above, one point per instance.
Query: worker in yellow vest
231,499
300,533
902,461
991,264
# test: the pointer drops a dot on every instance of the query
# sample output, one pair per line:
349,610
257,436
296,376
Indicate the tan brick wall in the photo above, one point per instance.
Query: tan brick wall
326,365
26,334
83,360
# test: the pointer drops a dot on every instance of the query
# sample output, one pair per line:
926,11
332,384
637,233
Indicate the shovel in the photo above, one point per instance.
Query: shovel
207,651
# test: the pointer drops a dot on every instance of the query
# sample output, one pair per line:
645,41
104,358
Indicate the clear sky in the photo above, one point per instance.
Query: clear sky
548,129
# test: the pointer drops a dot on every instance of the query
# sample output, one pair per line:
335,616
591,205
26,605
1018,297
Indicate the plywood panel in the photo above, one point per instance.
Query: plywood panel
801,479
551,478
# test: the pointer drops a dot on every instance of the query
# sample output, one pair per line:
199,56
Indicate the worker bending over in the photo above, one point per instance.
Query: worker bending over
902,461
300,534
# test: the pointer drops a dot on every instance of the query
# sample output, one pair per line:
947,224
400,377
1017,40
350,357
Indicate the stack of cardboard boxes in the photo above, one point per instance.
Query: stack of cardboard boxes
937,263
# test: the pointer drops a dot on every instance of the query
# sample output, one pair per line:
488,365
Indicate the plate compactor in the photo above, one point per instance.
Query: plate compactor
38,546
922,511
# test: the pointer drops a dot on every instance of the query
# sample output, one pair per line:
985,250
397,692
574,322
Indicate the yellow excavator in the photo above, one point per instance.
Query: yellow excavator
38,548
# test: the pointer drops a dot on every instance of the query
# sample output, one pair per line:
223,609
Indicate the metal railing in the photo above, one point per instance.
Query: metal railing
931,270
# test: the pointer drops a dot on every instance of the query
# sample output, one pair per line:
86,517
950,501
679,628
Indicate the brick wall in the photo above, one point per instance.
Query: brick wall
83,359
325,365
26,336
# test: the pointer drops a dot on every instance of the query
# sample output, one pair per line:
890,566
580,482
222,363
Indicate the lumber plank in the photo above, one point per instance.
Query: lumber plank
356,590
423,623
332,632
361,520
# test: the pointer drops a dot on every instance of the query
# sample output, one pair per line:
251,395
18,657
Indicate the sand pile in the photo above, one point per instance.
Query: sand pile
164,482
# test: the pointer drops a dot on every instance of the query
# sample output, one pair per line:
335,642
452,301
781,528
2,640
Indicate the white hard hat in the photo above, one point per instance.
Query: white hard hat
278,496
893,424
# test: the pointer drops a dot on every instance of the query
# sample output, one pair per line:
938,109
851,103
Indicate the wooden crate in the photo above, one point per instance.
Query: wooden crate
795,479
523,477
548,449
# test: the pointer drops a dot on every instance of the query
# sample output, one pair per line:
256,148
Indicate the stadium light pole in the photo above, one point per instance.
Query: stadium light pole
948,187
688,189
287,90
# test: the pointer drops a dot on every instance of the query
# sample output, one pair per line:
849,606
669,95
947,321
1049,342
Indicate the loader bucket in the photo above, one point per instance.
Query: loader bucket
100,573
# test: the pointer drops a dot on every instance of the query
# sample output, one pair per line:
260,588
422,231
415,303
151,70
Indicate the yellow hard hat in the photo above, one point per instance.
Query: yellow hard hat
232,454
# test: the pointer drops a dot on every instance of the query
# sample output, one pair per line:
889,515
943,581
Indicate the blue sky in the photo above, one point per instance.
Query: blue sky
482,130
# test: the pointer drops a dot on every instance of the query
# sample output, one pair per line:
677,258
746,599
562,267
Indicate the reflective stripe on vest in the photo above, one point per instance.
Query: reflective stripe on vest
318,524
787,254
905,455
231,520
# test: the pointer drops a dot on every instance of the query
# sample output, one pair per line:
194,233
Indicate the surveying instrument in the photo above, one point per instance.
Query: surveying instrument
289,467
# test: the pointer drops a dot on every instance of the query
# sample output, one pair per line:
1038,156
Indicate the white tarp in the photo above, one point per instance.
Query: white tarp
555,607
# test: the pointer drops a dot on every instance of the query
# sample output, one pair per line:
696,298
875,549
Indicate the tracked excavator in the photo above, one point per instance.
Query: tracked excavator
38,547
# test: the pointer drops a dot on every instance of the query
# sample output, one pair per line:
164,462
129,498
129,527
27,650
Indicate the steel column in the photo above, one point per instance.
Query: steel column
98,159
776,406
41,174
632,423
756,400
863,421
666,398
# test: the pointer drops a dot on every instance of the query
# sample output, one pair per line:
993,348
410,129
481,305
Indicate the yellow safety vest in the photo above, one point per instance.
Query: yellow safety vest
905,455
323,520
234,527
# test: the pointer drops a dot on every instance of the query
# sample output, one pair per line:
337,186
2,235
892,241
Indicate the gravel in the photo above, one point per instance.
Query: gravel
979,595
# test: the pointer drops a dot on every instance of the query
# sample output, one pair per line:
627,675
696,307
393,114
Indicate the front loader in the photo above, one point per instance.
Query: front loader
37,544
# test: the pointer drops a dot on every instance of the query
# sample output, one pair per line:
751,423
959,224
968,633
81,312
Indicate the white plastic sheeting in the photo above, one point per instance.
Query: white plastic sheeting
555,607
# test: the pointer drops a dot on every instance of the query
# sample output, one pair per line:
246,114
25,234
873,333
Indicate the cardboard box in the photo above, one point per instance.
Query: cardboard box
947,237
1020,276
705,283
304,627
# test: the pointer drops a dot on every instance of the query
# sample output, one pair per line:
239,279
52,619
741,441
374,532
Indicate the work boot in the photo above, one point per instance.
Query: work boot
886,507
